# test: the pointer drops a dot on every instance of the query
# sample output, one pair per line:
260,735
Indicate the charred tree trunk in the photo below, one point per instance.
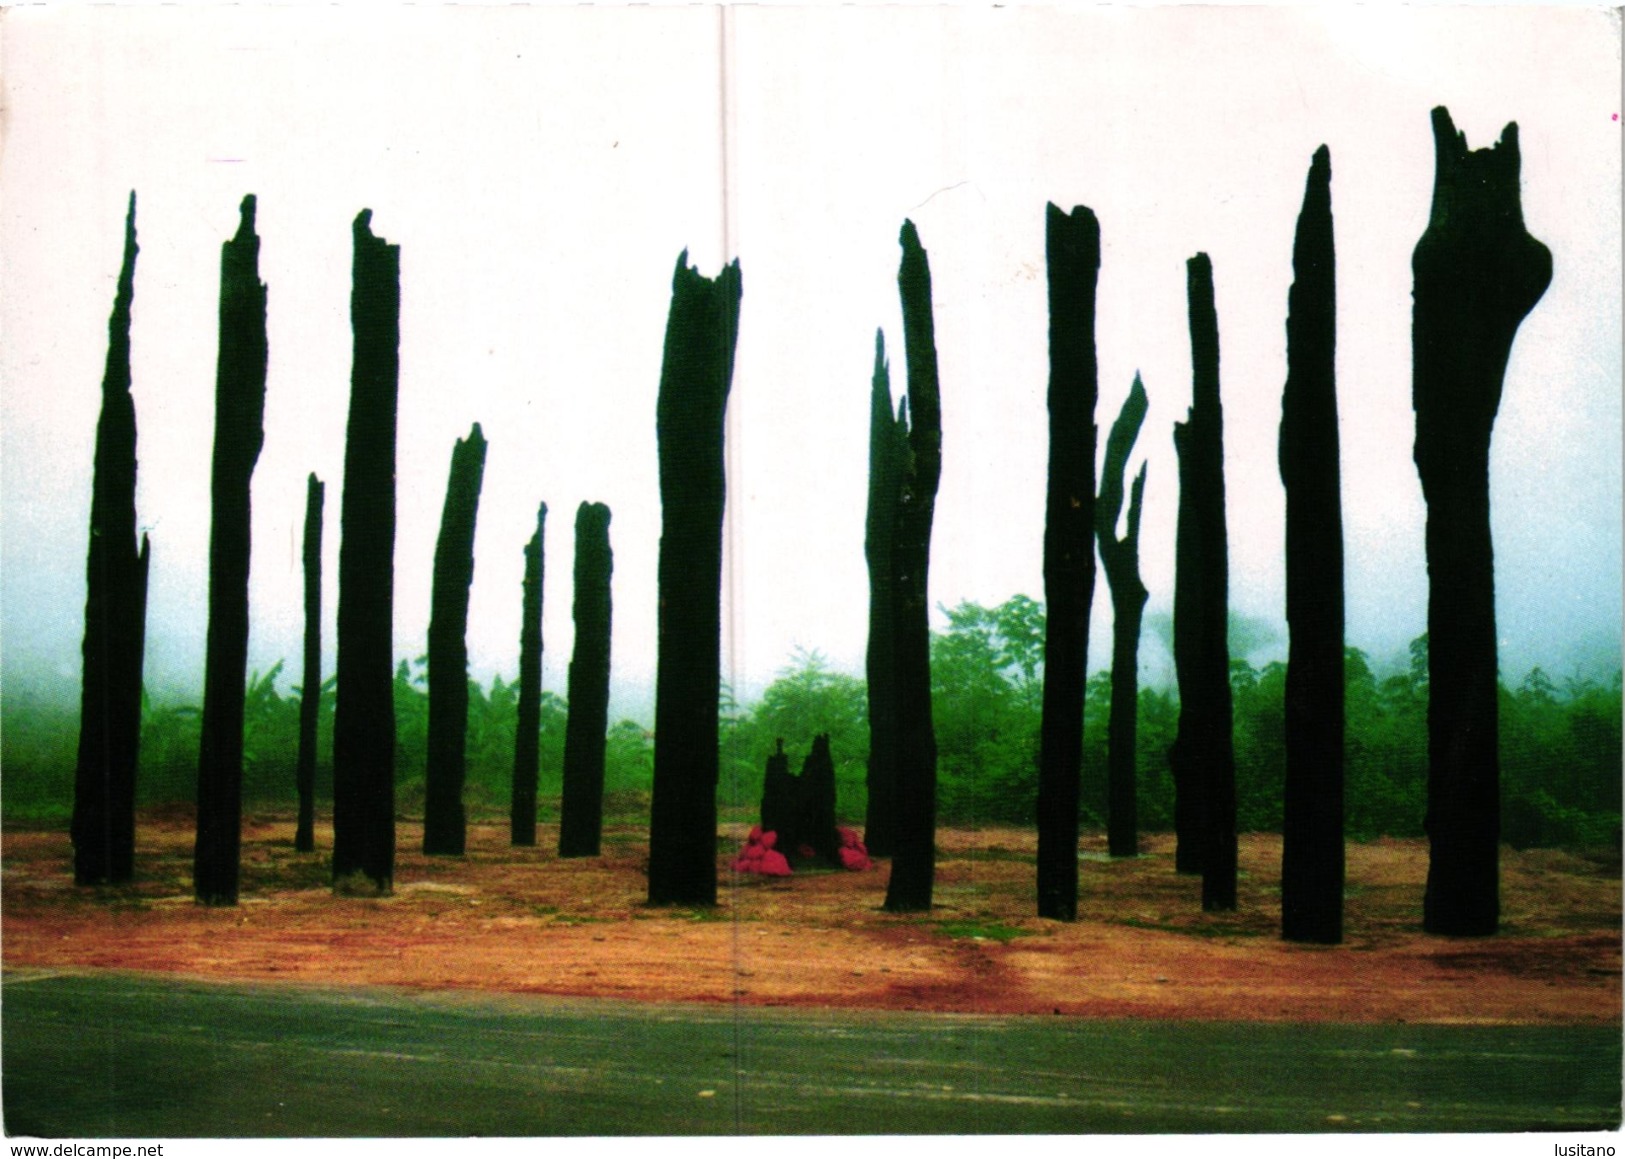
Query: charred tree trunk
581,816
310,695
527,730
695,375
1312,822
914,858
445,824
1204,744
239,433
887,445
364,716
103,825
816,798
1072,250
1478,274
779,800
1121,558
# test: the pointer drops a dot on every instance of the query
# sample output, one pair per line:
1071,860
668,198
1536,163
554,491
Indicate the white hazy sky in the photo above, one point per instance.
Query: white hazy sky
541,169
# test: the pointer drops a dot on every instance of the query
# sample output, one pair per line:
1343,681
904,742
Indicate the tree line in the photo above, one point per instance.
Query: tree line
1478,273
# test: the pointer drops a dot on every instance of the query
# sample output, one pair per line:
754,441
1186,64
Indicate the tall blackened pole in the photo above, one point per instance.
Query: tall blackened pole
1312,859
364,715
310,694
581,813
445,824
1205,741
888,435
239,433
695,375
1121,558
1478,274
913,867
527,730
103,825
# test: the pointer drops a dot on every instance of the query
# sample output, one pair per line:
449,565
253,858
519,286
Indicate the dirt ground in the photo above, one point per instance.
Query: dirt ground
505,919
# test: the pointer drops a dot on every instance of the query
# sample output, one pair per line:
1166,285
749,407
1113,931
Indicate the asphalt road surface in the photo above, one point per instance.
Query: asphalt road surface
106,1055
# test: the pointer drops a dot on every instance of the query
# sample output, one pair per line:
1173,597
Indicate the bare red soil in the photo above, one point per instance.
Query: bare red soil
522,920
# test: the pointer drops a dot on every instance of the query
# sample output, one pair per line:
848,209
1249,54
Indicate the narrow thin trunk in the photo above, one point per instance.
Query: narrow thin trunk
697,370
364,716
887,446
103,825
445,824
239,433
1312,820
1072,252
1478,274
914,860
1205,740
581,815
1121,558
310,696
527,730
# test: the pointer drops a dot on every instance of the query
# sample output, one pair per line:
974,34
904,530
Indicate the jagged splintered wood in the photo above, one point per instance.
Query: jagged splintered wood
310,694
1203,756
364,715
581,815
1312,867
1478,274
1072,253
527,750
445,826
888,448
914,856
239,433
697,370
103,825
1121,558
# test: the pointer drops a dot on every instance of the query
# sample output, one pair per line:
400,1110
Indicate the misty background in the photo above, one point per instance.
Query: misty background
542,168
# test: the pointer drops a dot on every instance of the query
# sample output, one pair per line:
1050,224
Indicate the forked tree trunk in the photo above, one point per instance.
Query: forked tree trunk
1478,274
528,725
445,823
103,825
239,433
1121,558
701,331
1072,250
1312,820
364,716
888,445
581,816
310,696
914,859
1201,611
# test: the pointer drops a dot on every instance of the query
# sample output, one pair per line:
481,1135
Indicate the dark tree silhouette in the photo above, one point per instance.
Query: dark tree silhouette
1478,274
1312,820
695,375
888,445
445,824
779,813
364,715
914,856
815,792
1203,756
1072,253
239,433
527,750
1121,558
310,693
103,825
581,815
